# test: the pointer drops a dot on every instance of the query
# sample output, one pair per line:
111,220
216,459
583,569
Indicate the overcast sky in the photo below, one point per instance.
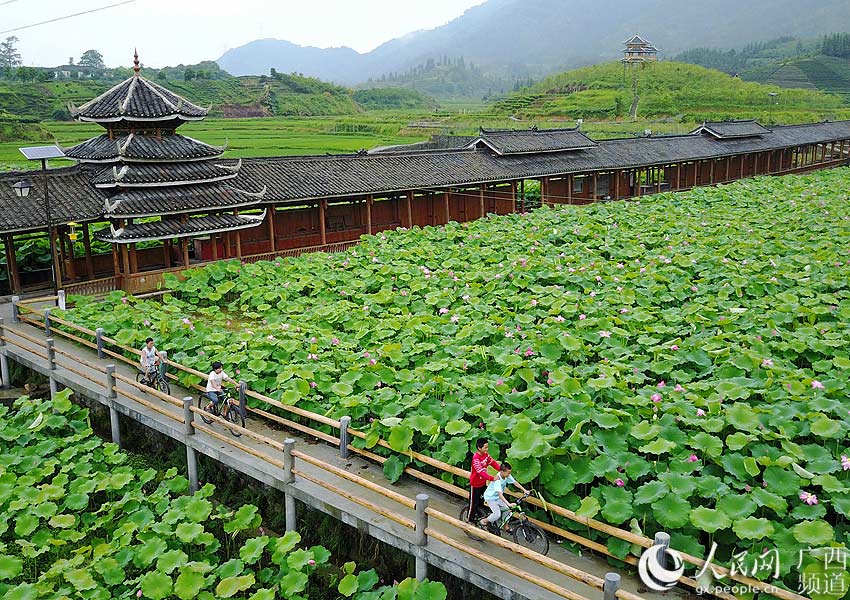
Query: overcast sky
169,32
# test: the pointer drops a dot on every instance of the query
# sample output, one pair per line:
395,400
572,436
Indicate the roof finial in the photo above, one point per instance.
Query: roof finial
136,66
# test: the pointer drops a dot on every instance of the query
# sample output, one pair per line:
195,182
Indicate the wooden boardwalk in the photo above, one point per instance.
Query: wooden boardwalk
353,489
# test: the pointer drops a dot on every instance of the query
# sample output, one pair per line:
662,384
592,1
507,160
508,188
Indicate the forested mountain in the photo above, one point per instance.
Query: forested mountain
534,37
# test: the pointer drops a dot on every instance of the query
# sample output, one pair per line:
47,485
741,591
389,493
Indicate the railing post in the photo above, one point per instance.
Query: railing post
611,585
47,331
421,538
243,399
344,436
60,299
288,478
112,395
191,454
16,316
98,336
51,360
4,360
662,539
162,364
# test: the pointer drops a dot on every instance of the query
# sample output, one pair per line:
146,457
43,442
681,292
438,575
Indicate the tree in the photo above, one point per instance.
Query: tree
188,75
9,55
92,58
27,73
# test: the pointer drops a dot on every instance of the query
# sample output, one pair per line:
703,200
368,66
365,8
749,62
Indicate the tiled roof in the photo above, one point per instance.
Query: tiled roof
146,202
529,141
175,228
302,178
138,99
129,148
732,129
72,198
165,174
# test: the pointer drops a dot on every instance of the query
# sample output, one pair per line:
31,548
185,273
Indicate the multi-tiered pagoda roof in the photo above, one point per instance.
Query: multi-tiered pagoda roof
149,170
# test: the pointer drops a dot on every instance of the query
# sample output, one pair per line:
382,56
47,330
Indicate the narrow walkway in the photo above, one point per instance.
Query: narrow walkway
461,564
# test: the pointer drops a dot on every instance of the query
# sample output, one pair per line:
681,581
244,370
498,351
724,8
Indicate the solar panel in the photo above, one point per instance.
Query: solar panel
42,152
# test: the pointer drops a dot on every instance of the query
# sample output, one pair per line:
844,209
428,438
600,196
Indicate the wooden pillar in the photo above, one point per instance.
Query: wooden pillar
87,249
369,214
12,266
166,251
72,268
570,183
447,206
544,191
767,168
595,186
781,161
617,184
522,195
271,213
134,259
656,173
238,234
728,162
116,262
756,164
711,175
743,159
323,229
638,184
513,196
184,242
482,190
125,257
678,175
410,209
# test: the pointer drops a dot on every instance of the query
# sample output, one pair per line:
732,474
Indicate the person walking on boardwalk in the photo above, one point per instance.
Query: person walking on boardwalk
479,477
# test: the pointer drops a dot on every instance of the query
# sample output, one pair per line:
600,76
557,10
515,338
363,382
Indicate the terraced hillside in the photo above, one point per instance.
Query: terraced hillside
825,73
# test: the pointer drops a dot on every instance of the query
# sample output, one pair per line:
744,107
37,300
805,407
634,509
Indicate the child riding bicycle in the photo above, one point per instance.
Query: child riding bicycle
214,390
494,495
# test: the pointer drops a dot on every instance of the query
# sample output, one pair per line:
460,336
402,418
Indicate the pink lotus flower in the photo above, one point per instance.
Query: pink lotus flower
661,384
444,311
500,382
313,356
559,319
311,562
124,301
808,498
766,363
582,317
366,355
550,381
619,482
201,353
373,362
313,340
466,297
817,385
533,302
656,398
845,463
700,412
605,334
139,593
403,292
747,488
238,371
529,352
693,458
623,311
455,319
186,321
509,334
674,347
678,388
335,342
146,323
313,384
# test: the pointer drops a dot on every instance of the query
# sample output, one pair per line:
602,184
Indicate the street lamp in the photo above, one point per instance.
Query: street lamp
44,153
22,188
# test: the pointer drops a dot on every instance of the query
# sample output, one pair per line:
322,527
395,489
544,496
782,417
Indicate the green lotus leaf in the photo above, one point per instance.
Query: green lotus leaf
650,492
400,439
671,511
198,510
736,506
781,481
231,568
589,507
394,468
253,549
753,528
189,532
23,591
171,560
229,587
10,566
150,551
348,585
813,533
825,582
457,427
342,389
62,521
81,579
659,446
826,428
527,442
262,594
740,415
247,517
709,519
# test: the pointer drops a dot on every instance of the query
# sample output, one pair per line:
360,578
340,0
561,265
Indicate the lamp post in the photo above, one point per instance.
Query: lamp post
44,153
771,102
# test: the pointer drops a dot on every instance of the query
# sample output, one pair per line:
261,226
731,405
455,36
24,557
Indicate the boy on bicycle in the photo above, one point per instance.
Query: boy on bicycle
149,359
214,381
494,495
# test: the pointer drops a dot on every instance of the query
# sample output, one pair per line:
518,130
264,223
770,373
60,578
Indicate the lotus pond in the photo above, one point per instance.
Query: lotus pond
678,363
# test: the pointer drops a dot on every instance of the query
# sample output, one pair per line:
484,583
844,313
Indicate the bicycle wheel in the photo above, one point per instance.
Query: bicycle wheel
529,535
206,405
464,516
162,385
141,379
234,415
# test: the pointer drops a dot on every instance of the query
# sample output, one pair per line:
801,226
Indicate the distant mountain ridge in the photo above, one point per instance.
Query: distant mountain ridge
541,36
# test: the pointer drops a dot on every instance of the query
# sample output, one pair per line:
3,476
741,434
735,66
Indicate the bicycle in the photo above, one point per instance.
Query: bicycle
154,378
513,521
227,409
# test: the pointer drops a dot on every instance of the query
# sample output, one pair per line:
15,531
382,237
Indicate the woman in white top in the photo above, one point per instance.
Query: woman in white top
214,381
149,356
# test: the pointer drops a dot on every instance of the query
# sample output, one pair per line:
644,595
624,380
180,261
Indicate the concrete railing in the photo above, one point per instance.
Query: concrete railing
99,342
